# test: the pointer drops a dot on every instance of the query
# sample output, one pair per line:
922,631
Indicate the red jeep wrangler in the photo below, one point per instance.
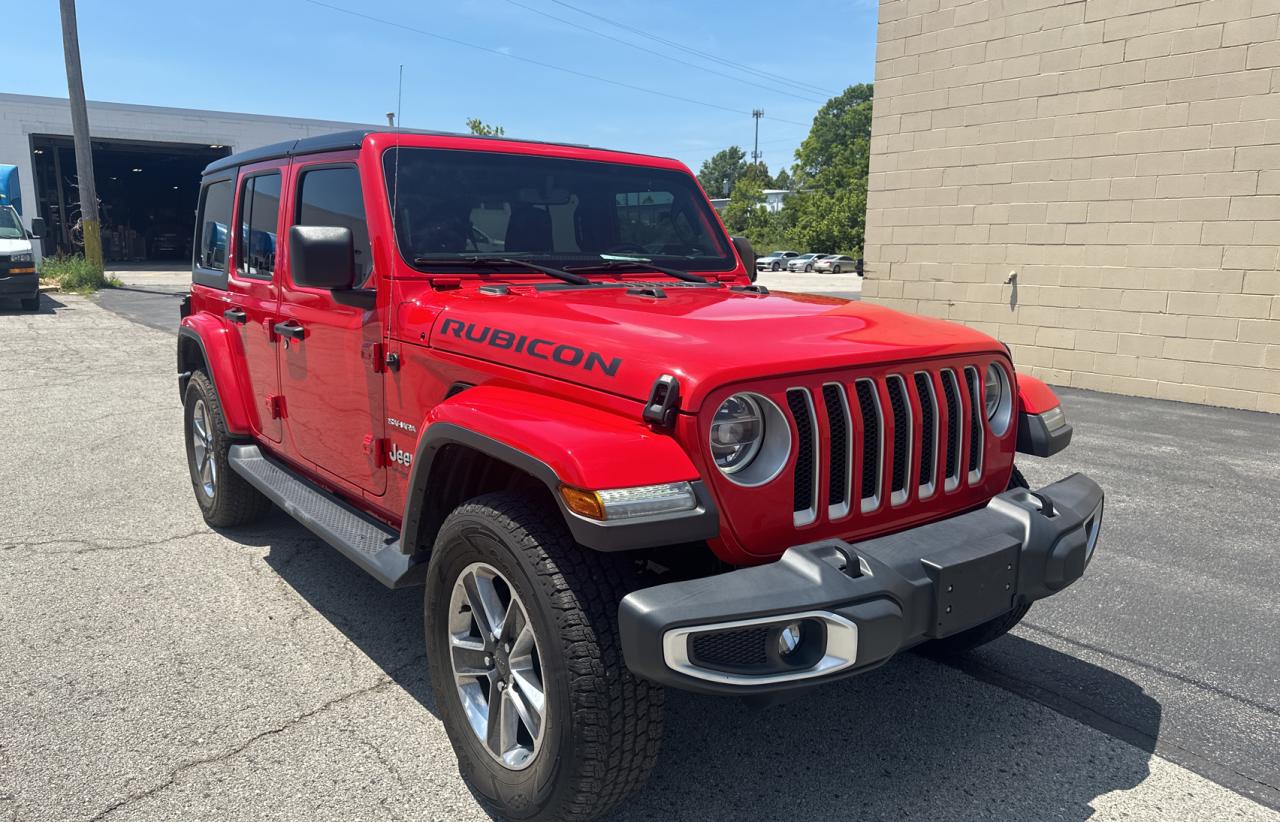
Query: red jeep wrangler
539,379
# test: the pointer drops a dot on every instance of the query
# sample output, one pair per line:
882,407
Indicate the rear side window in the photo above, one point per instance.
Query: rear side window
331,197
259,220
215,226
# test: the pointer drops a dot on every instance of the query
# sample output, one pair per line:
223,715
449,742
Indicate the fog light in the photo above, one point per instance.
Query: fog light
789,639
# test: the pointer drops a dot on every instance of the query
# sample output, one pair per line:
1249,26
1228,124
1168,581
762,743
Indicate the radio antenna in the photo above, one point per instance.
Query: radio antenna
395,183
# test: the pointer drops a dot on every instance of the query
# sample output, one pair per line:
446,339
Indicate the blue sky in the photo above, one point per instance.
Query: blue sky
294,57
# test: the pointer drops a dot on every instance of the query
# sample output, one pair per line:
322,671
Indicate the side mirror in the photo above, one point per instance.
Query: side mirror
322,257
37,227
748,255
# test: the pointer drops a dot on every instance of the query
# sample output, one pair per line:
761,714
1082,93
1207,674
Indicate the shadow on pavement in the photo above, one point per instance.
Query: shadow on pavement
48,305
914,739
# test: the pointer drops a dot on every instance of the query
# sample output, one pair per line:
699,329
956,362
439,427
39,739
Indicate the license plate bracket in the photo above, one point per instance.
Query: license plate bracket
972,584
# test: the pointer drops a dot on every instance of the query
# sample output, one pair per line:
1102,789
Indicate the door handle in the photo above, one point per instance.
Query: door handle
236,315
291,329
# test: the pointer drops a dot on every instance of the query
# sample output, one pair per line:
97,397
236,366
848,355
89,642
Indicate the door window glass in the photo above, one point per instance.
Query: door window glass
259,218
215,223
331,197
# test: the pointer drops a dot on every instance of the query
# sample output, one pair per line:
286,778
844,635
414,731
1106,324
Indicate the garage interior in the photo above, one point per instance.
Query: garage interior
146,193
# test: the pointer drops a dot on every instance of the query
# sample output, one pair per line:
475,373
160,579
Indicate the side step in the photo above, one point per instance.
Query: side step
365,541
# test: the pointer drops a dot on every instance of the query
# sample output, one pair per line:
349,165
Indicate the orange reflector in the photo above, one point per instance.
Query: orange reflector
583,503
22,271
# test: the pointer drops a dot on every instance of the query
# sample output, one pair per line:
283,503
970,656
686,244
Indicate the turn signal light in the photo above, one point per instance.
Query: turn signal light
630,503
583,503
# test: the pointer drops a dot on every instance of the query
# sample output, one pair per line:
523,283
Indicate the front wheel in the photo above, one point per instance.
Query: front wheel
774,267
808,269
526,663
31,303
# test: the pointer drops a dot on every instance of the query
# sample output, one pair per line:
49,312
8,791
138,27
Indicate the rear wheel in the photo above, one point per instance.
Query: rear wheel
835,269
526,663
226,499
988,631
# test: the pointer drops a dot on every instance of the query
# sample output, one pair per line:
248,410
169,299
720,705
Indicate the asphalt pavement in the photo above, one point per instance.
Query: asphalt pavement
151,668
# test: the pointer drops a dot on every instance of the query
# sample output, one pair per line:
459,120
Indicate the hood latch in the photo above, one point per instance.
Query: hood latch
664,402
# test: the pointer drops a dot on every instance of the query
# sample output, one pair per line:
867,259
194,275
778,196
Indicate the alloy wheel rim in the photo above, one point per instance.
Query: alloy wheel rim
496,666
206,468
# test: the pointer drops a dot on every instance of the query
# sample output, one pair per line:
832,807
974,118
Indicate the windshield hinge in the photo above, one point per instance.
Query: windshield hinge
664,402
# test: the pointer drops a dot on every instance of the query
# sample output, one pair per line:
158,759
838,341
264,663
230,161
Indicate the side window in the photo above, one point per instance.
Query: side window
259,218
331,197
215,226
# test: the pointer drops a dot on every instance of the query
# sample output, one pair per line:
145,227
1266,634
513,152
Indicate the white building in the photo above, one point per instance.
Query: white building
147,162
773,199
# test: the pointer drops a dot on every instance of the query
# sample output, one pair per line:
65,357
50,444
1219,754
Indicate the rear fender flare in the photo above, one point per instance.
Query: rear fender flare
562,443
213,339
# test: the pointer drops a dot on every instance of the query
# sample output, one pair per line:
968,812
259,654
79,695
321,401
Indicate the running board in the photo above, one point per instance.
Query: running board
366,542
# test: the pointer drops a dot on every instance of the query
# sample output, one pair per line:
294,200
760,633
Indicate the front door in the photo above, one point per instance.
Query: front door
253,287
330,349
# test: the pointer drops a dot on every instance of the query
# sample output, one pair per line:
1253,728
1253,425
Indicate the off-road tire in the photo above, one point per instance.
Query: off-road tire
603,726
31,303
235,502
989,631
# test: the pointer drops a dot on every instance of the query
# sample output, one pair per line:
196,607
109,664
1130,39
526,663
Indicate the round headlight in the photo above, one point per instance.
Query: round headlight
750,439
997,397
737,430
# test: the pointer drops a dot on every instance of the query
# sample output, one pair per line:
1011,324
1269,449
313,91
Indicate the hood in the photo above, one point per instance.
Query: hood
621,342
14,246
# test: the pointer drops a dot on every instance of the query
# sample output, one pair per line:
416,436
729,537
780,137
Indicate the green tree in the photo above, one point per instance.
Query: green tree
480,127
782,179
726,165
745,213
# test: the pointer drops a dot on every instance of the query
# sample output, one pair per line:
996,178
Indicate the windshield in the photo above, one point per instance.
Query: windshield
559,212
10,226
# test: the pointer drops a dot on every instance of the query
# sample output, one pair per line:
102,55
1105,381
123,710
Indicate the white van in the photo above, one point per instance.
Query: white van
17,258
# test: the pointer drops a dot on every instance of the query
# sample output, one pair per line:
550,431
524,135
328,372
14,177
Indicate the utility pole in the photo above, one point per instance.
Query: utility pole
80,130
755,151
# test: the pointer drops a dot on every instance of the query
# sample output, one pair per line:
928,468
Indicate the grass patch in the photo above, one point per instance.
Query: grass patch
74,273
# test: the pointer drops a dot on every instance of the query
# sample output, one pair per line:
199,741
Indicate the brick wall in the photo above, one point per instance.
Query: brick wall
1094,182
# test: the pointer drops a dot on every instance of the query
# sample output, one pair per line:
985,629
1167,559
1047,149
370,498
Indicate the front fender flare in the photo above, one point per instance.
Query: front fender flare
214,341
1042,425
560,442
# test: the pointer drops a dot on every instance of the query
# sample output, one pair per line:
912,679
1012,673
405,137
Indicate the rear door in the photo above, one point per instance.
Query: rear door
331,357
253,285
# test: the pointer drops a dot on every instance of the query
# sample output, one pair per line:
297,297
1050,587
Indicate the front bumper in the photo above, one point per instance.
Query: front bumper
855,605
19,285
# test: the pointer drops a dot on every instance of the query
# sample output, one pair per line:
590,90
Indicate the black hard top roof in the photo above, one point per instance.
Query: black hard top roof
337,141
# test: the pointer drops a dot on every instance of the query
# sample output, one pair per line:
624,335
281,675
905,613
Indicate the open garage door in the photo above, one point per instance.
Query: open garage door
146,191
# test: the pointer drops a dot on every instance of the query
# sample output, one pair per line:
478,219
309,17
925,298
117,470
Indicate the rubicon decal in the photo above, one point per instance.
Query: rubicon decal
536,347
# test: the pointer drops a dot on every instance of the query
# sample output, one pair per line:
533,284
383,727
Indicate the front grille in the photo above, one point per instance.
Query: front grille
874,427
805,489
869,407
740,648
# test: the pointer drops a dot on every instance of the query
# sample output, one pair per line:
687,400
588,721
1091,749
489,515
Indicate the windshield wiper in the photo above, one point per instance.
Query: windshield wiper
480,260
642,265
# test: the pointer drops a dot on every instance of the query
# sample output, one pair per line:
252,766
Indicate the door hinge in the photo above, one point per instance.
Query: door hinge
376,448
275,406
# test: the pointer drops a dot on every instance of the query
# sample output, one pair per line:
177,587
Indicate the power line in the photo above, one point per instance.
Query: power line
777,78
599,33
551,66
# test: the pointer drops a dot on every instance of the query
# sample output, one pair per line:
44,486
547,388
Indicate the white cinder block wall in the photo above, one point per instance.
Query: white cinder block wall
23,115
1120,157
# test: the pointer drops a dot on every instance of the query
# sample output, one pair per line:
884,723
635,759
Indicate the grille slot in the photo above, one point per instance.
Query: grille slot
902,437
928,432
742,648
872,437
840,470
955,424
977,414
805,489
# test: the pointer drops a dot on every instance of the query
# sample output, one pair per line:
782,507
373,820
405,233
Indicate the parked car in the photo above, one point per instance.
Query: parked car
835,264
18,276
804,262
774,261
605,493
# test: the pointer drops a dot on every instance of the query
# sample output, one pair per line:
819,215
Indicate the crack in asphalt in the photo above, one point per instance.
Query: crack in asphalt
172,777
94,546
